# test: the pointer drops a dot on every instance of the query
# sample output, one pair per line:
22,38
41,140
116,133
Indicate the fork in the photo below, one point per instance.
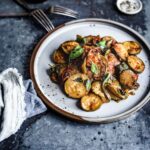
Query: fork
42,19
38,15
59,10
62,11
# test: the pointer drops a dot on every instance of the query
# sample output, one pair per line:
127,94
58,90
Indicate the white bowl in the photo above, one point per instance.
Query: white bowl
133,11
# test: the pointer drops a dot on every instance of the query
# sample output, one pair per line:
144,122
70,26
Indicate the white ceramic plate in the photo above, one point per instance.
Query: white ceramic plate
52,95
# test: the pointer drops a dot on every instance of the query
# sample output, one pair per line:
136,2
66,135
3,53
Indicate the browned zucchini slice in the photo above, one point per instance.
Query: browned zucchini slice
121,51
91,102
83,66
114,97
68,46
67,72
129,79
110,41
92,40
121,67
75,85
115,88
106,80
136,64
97,89
59,57
132,47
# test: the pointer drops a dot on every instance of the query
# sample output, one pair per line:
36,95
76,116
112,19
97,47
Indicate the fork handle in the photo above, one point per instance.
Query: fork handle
24,5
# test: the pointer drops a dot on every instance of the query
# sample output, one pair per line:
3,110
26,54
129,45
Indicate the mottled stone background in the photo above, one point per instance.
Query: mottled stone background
50,131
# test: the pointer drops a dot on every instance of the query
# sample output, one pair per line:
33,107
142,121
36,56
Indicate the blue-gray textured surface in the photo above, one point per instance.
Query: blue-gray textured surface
50,131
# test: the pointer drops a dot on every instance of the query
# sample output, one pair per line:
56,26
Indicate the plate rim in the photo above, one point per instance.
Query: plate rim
73,116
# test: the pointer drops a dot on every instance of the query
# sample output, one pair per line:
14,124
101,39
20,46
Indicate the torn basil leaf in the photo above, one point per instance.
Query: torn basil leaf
88,84
81,39
78,50
102,44
94,68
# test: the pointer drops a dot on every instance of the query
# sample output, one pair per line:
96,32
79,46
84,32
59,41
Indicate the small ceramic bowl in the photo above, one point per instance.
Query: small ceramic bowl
129,7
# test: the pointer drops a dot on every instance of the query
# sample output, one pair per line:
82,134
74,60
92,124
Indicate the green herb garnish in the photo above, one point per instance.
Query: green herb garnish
81,39
88,84
94,68
102,44
106,77
76,52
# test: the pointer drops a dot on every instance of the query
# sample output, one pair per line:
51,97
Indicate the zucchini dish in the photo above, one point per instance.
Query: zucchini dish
96,69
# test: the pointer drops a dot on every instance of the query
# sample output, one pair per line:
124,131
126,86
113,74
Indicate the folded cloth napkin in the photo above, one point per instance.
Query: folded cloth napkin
18,101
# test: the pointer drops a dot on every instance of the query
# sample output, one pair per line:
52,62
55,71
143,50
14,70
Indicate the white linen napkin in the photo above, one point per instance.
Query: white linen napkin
18,101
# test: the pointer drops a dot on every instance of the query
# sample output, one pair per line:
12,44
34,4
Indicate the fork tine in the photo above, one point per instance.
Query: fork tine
57,7
65,14
46,19
40,16
40,22
64,11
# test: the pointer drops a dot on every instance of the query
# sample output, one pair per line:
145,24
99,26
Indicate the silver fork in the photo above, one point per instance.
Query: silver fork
62,11
59,10
42,19
38,15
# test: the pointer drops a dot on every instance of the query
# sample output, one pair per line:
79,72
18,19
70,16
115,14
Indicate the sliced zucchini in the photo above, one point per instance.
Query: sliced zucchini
63,71
97,89
106,81
121,67
115,88
121,51
75,85
59,57
91,102
58,68
114,97
91,40
83,66
68,46
132,47
68,71
136,63
80,39
55,71
110,41
129,79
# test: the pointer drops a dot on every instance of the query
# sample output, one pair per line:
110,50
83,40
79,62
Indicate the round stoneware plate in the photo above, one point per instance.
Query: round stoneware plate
52,95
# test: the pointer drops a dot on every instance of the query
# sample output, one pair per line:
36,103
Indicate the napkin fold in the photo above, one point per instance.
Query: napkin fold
34,105
18,101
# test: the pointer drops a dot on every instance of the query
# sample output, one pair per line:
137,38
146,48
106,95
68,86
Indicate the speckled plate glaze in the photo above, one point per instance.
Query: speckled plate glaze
53,96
